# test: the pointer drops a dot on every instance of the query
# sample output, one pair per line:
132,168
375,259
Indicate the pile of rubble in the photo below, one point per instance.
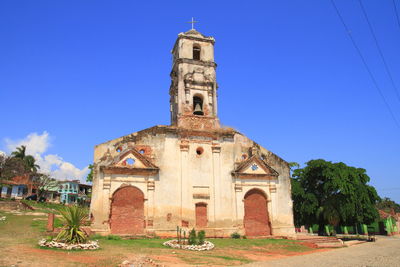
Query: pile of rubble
174,244
91,245
140,262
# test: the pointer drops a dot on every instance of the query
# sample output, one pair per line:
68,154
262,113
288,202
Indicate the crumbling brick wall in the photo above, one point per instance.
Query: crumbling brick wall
127,211
256,219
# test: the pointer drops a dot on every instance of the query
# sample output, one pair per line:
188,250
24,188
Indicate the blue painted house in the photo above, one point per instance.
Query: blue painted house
68,191
72,192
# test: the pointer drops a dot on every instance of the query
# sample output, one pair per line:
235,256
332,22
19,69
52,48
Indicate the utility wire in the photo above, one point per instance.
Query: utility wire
380,51
396,12
365,64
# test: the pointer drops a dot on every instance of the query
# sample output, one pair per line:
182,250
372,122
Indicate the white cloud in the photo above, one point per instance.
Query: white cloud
37,145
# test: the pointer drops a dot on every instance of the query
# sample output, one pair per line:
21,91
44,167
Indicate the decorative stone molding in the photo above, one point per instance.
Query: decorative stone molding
151,185
216,149
201,196
184,145
238,188
272,188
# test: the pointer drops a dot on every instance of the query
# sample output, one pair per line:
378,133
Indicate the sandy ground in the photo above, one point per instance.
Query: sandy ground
384,252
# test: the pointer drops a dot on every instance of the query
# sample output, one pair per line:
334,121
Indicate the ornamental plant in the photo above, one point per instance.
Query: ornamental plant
73,218
192,237
200,237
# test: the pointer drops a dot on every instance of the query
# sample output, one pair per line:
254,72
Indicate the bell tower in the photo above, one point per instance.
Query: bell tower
193,90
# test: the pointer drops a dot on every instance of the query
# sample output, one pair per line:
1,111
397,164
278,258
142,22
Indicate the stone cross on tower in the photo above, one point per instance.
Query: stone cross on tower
193,22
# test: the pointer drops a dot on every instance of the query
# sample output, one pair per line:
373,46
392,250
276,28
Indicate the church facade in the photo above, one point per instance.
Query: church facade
193,173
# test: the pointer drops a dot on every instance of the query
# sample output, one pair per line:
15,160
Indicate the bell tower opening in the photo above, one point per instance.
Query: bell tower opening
198,106
196,52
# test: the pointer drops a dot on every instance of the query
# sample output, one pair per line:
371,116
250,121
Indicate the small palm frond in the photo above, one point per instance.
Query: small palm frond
73,217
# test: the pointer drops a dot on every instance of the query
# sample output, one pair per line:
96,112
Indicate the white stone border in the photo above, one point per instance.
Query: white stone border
174,244
91,245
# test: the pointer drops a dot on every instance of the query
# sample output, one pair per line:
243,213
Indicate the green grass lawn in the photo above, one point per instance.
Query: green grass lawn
26,230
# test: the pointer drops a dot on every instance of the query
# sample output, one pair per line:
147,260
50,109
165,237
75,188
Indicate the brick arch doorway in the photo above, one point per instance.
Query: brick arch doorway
127,211
201,214
256,218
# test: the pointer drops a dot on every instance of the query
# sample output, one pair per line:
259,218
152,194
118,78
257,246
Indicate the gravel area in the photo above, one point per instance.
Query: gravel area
384,252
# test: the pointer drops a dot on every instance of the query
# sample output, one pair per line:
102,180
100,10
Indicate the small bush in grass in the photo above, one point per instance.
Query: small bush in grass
244,237
192,237
113,237
201,236
235,235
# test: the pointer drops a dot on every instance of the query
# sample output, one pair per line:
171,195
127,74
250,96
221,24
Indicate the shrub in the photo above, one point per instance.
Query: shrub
113,237
235,235
244,237
72,217
200,236
192,237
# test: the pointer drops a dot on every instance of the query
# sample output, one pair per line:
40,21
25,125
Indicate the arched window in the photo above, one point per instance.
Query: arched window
198,105
196,52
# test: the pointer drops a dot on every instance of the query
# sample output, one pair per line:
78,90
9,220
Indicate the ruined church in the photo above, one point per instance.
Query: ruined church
193,173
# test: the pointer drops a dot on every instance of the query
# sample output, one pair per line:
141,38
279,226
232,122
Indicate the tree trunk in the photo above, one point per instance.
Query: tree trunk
321,228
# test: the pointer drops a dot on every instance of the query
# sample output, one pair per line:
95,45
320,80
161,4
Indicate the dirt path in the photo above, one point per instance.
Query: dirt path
384,252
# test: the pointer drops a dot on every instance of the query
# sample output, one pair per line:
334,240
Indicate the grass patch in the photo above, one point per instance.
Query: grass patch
227,258
260,244
112,240
47,207
43,206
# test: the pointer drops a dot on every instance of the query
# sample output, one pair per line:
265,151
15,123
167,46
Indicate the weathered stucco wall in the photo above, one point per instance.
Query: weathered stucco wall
186,178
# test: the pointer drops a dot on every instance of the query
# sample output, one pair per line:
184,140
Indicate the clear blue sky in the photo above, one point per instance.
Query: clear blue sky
87,71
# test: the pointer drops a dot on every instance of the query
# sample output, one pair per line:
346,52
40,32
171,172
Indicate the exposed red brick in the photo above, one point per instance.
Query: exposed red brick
256,220
201,214
50,222
127,211
185,223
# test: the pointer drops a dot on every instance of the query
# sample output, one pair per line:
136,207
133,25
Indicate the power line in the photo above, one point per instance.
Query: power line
396,12
380,51
365,64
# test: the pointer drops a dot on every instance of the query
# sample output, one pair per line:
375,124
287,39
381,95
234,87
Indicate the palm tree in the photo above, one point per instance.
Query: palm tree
20,152
30,163
29,160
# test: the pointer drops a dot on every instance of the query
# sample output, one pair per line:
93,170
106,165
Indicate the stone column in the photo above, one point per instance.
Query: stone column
273,200
216,149
183,179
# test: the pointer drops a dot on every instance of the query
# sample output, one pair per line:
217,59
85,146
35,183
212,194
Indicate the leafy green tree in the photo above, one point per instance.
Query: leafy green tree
44,184
11,167
387,205
332,193
89,177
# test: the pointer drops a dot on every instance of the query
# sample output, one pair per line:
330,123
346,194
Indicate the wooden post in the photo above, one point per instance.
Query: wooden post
50,222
